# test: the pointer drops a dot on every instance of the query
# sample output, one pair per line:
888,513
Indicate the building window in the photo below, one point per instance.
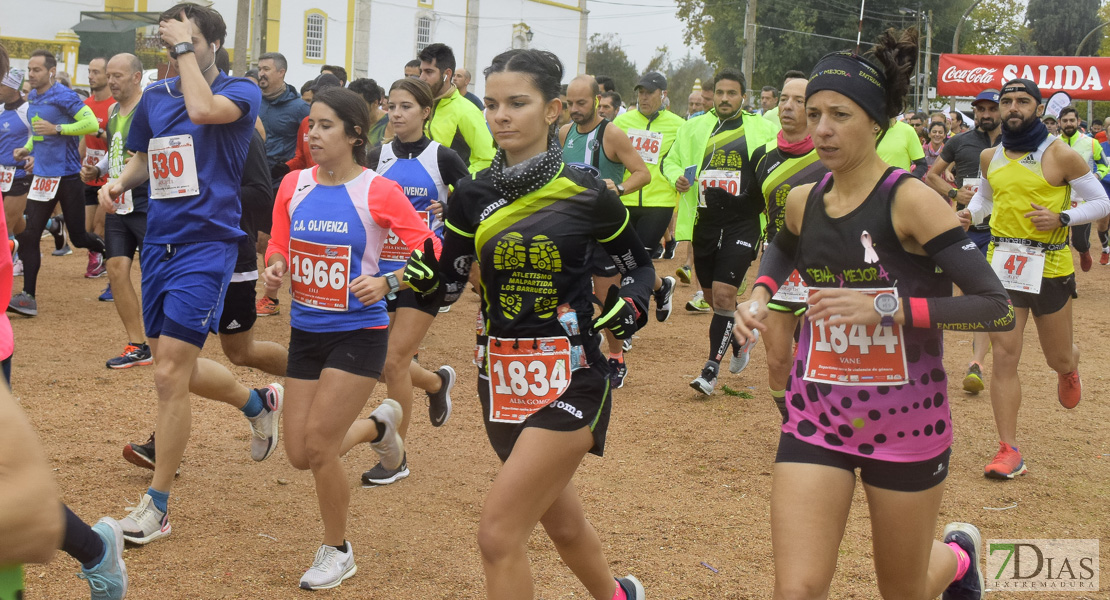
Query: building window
315,36
423,32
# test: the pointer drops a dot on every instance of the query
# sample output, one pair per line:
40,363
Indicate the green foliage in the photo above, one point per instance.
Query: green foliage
1057,26
604,56
680,81
997,27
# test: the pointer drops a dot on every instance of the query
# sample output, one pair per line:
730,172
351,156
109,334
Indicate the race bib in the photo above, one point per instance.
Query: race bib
525,375
125,202
172,167
93,156
320,274
856,354
7,176
394,248
728,181
793,290
647,143
43,189
1019,267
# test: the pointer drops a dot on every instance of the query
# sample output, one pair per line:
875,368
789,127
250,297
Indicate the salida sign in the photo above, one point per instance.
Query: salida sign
1082,77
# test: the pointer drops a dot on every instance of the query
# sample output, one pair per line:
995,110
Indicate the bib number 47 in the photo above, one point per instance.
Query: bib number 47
1015,264
532,378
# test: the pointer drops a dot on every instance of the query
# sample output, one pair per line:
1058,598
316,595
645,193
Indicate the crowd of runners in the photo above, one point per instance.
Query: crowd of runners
378,208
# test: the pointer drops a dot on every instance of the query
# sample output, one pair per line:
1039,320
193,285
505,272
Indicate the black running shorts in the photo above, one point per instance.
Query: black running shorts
895,476
724,253
124,234
650,223
1055,293
407,299
239,312
92,195
360,352
585,403
20,186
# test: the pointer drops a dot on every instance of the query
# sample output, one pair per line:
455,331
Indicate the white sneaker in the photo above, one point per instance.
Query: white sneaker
145,523
391,448
329,568
264,427
740,360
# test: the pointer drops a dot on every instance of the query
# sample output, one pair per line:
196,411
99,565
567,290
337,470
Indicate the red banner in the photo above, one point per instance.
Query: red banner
1082,77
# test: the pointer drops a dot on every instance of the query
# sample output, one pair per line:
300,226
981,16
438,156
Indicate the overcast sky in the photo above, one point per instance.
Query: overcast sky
643,25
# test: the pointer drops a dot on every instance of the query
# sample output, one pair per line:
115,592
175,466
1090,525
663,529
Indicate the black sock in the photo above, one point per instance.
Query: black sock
381,430
81,542
720,332
1104,237
341,547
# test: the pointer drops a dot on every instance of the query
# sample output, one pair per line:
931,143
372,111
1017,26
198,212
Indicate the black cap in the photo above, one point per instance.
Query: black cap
652,81
325,80
1022,85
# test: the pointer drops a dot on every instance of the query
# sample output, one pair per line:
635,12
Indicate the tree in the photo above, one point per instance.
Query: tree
1057,26
997,27
680,81
604,56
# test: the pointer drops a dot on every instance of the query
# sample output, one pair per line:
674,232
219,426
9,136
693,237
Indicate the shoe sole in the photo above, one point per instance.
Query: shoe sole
1060,397
137,459
373,483
737,364
684,278
993,474
117,533
267,314
700,386
637,587
274,430
449,384
142,541
973,384
23,312
972,532
139,363
344,577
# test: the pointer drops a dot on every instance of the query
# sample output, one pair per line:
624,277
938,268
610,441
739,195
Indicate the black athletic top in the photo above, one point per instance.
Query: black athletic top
776,173
258,204
963,151
727,150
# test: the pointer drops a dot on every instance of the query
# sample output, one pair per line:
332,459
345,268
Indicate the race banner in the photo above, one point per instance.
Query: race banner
1082,77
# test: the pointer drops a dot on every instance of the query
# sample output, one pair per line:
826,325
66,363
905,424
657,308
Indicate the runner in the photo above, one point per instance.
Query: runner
589,141
379,117
532,221
454,123
962,153
329,224
15,128
781,165
424,169
652,130
192,239
1091,151
125,228
609,105
58,119
913,245
1030,180
938,135
462,82
900,147
93,148
720,208
1051,124
412,68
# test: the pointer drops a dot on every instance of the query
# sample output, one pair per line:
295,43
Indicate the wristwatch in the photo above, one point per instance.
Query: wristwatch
886,304
58,129
1065,219
182,48
394,285
620,189
952,193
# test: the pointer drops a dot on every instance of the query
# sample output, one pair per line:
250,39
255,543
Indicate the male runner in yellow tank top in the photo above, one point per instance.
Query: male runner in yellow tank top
1031,179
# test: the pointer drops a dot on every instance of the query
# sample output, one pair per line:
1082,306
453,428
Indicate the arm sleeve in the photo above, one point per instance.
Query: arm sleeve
1101,165
478,137
619,239
1090,193
458,248
84,123
982,203
391,209
919,168
672,166
102,165
984,305
451,166
279,229
778,260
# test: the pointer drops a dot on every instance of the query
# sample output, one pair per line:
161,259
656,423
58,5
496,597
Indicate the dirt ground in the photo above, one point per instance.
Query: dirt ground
681,498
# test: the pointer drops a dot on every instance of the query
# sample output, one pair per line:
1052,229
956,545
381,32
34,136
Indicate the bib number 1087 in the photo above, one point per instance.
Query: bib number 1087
532,378
838,338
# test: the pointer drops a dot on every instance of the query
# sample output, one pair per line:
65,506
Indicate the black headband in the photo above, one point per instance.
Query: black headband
856,78
1021,85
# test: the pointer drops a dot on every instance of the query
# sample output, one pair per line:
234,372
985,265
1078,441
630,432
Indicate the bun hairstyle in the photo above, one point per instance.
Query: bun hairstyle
896,54
542,67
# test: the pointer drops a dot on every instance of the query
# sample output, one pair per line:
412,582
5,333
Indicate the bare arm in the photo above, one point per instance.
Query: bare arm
204,107
638,175
935,179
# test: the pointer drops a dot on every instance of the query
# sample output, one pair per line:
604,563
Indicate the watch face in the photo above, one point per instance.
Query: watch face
886,303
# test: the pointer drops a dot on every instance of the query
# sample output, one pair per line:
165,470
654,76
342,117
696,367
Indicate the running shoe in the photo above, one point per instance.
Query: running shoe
145,523
140,455
24,304
1105,258
743,354
134,355
698,303
330,568
267,307
973,381
380,475
669,248
439,403
705,382
684,274
632,587
663,299
65,250
657,252
17,268
1007,464
96,267
1069,389
264,426
626,345
618,370
970,586
108,580
1085,260
106,295
391,448
13,246
446,308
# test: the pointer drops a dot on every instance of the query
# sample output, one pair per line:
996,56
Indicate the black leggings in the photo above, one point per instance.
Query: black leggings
71,195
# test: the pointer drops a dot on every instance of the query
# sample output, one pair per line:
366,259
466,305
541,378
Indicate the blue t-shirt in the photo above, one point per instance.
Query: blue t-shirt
220,153
14,129
55,155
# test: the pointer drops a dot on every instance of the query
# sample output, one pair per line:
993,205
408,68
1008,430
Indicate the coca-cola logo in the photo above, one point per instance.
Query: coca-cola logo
976,75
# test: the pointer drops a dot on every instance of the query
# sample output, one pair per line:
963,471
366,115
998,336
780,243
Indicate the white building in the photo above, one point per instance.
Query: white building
369,38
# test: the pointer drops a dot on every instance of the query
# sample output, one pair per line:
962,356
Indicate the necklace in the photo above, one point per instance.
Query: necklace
342,178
